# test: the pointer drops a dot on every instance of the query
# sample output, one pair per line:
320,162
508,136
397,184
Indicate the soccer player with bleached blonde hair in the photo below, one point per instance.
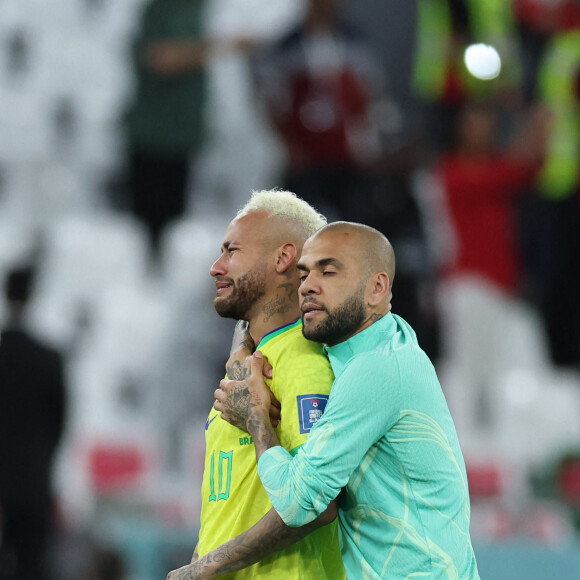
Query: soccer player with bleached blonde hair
257,282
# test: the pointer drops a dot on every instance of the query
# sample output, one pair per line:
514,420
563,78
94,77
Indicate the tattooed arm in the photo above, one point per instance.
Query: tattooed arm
242,347
268,536
238,365
246,403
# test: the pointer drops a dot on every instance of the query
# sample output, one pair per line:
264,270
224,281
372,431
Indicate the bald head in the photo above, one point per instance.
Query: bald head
346,277
373,249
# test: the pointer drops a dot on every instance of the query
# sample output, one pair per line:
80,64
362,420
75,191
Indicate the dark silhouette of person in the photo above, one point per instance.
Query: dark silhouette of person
165,125
32,416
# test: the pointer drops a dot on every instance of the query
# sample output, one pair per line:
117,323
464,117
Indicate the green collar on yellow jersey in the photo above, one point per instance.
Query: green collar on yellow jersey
277,331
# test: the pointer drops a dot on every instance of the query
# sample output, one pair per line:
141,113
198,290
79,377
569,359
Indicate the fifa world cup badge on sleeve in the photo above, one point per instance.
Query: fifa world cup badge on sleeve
310,409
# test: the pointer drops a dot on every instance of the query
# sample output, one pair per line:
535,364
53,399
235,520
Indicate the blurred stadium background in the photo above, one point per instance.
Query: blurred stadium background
144,348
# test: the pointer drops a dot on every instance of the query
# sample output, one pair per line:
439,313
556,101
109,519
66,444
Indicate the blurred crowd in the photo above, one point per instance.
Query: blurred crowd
166,113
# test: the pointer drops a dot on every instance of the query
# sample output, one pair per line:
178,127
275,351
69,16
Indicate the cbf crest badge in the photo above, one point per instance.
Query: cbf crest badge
310,409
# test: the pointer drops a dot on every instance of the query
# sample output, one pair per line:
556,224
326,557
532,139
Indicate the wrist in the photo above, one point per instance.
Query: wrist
257,420
204,565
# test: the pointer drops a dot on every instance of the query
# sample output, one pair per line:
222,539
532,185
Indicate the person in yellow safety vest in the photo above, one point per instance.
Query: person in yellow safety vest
551,224
441,81
440,46
557,80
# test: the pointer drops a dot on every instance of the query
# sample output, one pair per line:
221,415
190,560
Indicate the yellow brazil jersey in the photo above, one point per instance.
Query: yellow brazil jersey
233,498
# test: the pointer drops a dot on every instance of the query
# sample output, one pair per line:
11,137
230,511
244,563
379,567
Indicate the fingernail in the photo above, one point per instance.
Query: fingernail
258,354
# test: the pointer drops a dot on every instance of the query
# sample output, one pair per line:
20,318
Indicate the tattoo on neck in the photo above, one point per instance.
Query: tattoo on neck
290,290
375,316
278,305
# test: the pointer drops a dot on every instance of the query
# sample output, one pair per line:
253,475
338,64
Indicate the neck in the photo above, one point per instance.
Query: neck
369,321
15,319
274,310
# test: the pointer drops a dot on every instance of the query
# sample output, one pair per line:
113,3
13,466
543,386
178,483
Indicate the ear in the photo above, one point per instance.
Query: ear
285,257
378,288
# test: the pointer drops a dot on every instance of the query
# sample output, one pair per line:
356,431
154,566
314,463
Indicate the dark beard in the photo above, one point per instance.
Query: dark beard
247,290
340,323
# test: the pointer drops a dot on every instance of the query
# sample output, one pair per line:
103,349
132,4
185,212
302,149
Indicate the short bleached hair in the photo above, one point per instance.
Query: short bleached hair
285,204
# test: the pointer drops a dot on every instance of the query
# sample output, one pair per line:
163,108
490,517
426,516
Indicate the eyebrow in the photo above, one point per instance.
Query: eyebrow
321,263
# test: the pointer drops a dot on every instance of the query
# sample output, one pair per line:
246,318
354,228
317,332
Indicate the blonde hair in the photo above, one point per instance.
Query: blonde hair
286,205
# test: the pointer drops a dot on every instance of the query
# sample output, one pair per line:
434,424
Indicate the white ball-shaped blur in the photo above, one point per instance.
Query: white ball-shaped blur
482,61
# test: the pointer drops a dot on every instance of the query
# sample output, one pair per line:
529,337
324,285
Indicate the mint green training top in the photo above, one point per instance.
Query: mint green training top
387,437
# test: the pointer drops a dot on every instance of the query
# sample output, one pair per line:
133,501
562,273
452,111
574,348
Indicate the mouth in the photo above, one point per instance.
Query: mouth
221,287
310,310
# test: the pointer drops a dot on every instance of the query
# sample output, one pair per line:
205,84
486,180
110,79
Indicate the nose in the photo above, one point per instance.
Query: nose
218,267
307,286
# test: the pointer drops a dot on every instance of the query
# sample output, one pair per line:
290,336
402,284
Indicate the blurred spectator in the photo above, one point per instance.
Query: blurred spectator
481,279
481,184
32,416
391,207
441,81
538,21
346,154
106,564
551,218
319,82
165,120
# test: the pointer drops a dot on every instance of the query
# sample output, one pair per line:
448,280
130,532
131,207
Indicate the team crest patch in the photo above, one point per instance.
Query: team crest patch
310,409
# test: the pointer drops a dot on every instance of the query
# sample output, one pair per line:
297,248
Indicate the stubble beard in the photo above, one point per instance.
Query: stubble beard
245,293
340,323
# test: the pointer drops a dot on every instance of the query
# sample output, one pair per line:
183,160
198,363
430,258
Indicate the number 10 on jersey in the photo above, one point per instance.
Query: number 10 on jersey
224,475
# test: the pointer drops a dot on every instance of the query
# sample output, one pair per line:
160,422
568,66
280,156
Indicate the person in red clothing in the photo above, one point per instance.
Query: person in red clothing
480,279
318,83
481,184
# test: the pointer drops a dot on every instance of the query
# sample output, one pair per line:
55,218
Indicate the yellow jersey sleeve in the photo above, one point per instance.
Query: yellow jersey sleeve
301,381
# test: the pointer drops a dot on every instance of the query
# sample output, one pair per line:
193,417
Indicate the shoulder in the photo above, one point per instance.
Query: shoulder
33,345
292,341
44,349
374,364
295,346
300,365
391,357
404,348
45,356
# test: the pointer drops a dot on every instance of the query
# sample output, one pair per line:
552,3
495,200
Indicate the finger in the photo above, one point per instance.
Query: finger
257,364
274,413
226,417
220,395
275,405
274,401
225,385
268,369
